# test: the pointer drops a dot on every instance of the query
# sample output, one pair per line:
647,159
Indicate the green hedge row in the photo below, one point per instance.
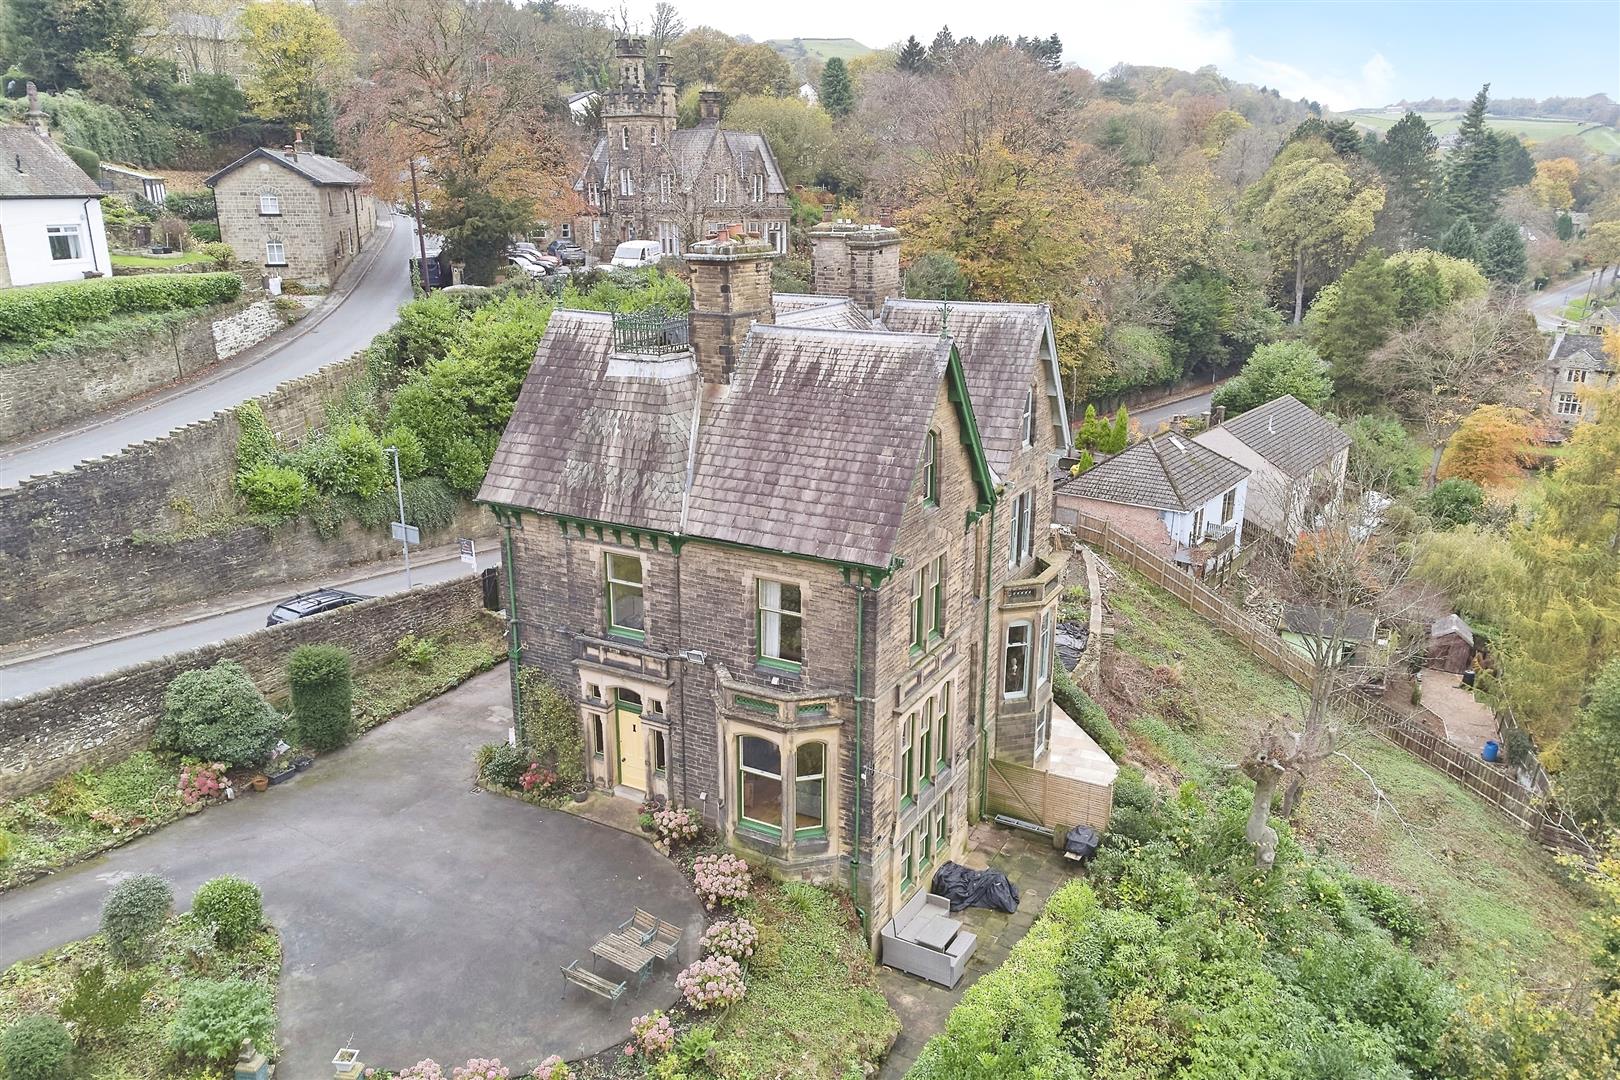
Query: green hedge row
43,311
1087,713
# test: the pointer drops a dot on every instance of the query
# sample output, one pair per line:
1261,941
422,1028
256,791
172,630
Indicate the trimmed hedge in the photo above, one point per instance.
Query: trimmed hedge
42,311
1087,713
321,680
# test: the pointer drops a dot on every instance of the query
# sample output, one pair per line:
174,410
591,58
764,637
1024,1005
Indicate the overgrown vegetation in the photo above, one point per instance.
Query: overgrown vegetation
117,332
320,679
34,312
217,714
551,726
456,655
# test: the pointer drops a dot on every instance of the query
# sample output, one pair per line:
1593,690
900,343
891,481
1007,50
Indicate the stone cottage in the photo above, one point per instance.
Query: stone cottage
1575,366
646,179
300,216
793,563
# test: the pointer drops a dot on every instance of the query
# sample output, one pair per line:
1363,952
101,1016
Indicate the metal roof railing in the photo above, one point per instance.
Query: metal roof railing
654,331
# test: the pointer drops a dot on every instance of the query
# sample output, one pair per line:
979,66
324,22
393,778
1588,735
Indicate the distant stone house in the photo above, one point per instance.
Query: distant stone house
1296,459
298,215
200,44
792,563
50,213
1178,498
128,180
1575,365
648,180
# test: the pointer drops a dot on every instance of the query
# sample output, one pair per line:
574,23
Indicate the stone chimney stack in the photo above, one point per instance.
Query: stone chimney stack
298,143
731,290
36,116
710,102
861,262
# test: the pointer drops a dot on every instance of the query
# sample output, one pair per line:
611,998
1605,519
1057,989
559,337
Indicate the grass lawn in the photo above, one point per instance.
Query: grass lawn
1604,140
822,49
1499,901
140,1051
168,262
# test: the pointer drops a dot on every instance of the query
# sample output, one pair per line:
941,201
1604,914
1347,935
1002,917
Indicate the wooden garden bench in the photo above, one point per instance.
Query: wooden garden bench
625,951
660,938
590,980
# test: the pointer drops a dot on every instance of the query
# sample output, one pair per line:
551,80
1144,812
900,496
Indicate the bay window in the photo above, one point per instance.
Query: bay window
1043,667
759,783
810,790
1015,662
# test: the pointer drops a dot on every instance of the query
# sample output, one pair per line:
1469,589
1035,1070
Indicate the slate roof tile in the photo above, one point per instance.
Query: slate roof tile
1164,472
32,166
1289,434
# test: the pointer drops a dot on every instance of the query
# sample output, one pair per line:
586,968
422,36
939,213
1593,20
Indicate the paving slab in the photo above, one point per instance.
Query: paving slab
420,916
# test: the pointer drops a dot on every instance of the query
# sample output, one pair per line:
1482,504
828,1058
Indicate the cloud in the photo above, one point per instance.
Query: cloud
1373,85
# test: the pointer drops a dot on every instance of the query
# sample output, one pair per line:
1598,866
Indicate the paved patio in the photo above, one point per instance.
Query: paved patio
1038,870
422,916
1468,723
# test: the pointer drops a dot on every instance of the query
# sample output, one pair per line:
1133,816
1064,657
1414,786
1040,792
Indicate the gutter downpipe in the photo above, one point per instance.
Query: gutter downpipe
984,654
514,644
860,776
90,236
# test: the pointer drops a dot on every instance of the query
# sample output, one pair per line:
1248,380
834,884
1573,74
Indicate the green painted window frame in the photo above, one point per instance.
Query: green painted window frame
810,831
924,840
942,829
930,469
761,657
925,744
942,723
745,822
660,751
609,581
598,737
918,630
1043,662
1028,647
936,606
908,864
908,762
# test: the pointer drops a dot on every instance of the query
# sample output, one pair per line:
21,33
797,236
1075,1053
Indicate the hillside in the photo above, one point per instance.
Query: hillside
822,49
1601,138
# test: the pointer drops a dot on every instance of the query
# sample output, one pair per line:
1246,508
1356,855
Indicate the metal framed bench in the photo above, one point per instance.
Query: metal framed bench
662,939
606,989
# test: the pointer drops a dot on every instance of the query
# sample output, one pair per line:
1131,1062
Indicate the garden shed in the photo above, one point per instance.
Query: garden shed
1451,644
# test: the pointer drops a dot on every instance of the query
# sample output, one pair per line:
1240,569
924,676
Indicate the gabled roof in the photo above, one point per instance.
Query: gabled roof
1452,624
34,167
688,152
819,312
1350,626
316,168
1000,346
1580,352
1164,472
1289,434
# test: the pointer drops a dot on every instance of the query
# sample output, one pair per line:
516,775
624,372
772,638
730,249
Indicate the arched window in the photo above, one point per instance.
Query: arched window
759,783
810,790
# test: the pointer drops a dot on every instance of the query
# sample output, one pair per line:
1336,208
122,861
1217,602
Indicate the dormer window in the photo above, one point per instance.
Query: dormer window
721,187
1029,418
269,203
624,138
757,191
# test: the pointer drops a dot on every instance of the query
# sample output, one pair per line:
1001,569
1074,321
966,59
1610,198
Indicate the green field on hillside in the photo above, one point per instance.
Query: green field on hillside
822,49
1604,140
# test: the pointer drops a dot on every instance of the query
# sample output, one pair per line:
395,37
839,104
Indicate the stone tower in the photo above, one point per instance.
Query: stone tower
638,115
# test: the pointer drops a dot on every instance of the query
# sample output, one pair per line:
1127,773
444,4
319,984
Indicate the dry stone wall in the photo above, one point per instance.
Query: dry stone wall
48,735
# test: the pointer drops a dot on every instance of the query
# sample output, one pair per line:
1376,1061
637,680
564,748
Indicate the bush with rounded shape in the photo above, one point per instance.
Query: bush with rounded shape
506,765
1282,367
232,906
219,715
36,1048
1453,501
134,911
223,254
215,1015
320,677
412,457
272,489
87,160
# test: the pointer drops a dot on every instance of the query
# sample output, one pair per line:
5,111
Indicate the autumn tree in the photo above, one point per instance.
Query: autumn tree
1436,372
698,54
1554,185
1312,212
297,56
1486,446
799,133
755,69
443,92
667,25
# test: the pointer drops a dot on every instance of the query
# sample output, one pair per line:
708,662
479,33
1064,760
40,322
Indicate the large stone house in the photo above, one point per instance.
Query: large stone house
50,213
300,216
793,565
1576,365
646,179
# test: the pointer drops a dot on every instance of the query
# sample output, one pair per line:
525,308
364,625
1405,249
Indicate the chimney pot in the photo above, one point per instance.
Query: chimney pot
731,290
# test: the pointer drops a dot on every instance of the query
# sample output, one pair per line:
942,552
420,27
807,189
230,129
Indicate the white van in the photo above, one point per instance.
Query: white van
633,254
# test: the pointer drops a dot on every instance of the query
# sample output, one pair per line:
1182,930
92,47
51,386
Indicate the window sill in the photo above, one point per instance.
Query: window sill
276,266
772,666
757,837
265,214
624,634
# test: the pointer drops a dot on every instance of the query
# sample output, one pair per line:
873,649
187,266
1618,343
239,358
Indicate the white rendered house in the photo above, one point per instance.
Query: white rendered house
50,213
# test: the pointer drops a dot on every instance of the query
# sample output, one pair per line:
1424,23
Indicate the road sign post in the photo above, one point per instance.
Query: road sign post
404,533
469,553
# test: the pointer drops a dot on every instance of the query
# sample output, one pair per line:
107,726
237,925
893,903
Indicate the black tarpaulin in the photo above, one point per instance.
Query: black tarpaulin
966,888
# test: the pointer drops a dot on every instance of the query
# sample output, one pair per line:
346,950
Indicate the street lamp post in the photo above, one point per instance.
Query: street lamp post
421,240
404,529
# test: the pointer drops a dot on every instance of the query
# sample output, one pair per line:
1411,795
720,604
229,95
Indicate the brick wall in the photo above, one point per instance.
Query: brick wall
50,734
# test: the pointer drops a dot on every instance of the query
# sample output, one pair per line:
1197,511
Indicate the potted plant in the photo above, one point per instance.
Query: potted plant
280,768
258,781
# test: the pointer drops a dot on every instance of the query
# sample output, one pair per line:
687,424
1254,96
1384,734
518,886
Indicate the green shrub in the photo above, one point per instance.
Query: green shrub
348,461
215,1015
1452,502
191,205
272,489
412,458
419,652
133,913
551,726
223,254
429,328
5,845
44,311
207,232
99,1007
506,765
255,442
1390,909
218,714
36,1048
321,681
232,906
1087,713
87,160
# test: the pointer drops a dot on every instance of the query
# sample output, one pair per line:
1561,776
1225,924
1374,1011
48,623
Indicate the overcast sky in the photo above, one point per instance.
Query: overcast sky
1343,54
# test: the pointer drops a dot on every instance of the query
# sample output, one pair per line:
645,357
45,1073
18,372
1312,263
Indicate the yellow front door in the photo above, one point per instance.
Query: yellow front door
632,746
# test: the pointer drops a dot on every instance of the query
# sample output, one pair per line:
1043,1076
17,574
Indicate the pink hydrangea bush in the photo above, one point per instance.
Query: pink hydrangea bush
676,825
426,1069
652,1036
481,1069
199,783
735,938
720,880
712,983
553,1068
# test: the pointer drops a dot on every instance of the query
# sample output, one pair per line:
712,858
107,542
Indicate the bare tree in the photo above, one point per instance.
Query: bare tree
1484,351
667,25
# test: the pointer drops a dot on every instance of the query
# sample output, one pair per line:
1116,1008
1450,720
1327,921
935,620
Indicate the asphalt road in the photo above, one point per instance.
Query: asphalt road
229,617
1151,418
1548,305
369,295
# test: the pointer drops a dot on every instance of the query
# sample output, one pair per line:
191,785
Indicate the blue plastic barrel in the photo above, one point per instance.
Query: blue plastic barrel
1492,750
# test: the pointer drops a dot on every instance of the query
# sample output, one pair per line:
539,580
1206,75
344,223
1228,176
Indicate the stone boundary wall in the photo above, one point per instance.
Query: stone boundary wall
253,324
55,732
77,547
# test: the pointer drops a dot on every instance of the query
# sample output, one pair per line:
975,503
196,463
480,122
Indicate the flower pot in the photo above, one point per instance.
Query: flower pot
581,796
303,763
259,782
285,774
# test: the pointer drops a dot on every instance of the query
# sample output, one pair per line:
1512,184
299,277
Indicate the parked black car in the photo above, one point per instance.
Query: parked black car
569,252
312,603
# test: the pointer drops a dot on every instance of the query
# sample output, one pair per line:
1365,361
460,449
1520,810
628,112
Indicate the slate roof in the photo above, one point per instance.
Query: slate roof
1311,621
1000,346
1164,472
316,168
1452,624
811,449
593,438
832,313
1289,434
1578,351
688,151
46,171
